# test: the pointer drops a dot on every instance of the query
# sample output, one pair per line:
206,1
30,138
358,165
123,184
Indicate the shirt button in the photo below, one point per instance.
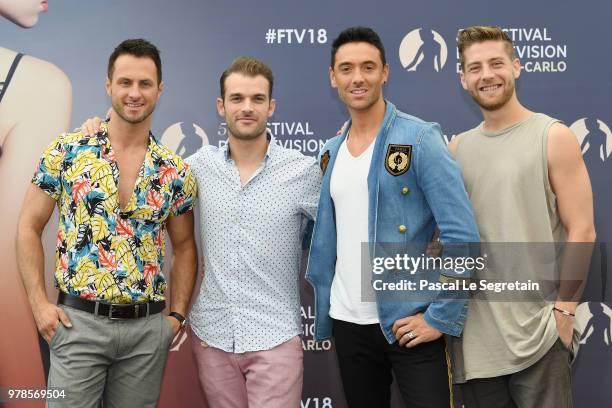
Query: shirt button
405,190
402,228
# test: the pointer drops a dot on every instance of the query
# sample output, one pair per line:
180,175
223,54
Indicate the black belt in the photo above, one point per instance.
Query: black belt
111,310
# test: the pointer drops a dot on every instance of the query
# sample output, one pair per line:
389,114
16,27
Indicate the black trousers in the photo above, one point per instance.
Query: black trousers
367,364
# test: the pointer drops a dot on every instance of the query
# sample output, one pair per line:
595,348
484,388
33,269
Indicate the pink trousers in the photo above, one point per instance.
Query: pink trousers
257,379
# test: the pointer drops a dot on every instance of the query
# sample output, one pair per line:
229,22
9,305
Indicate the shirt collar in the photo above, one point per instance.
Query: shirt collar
148,167
269,152
102,136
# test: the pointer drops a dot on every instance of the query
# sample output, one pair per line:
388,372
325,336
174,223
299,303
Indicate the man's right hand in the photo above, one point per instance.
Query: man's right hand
91,126
48,316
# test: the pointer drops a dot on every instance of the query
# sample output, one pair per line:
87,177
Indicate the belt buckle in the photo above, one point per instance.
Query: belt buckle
118,306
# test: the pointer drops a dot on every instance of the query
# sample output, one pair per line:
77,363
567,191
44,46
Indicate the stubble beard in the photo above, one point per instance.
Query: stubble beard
119,109
238,134
494,105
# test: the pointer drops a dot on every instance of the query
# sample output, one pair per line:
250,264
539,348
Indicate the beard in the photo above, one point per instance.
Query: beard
259,129
493,105
119,109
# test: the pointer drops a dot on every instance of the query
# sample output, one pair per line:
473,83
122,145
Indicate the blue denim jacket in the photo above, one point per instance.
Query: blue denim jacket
402,208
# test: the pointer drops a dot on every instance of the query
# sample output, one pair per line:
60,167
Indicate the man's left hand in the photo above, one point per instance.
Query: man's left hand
565,328
414,330
176,326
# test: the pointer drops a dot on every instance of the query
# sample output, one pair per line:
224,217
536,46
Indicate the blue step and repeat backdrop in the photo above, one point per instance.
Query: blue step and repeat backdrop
563,46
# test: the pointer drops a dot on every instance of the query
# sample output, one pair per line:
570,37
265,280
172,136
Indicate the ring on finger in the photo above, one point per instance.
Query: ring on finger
410,335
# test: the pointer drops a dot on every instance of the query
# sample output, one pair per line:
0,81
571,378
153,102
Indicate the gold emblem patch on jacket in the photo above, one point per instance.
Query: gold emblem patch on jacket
397,161
324,161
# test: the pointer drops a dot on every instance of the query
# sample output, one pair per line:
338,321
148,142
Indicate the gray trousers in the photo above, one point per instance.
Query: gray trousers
118,361
545,384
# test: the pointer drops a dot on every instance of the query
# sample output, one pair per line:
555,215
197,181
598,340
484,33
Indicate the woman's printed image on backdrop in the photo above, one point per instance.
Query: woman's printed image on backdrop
35,107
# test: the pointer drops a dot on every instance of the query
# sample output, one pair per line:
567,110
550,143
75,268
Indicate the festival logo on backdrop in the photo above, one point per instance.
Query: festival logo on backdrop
596,323
590,377
594,137
423,49
184,138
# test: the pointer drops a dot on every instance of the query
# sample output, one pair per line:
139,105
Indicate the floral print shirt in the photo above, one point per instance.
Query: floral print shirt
103,252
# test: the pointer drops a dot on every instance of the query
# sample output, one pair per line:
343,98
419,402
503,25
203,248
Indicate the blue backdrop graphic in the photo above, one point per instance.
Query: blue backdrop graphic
563,48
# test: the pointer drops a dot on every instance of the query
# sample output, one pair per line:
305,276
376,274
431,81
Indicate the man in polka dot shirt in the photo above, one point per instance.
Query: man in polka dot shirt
255,198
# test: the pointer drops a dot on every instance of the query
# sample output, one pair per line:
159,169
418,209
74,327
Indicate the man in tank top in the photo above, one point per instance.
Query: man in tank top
527,182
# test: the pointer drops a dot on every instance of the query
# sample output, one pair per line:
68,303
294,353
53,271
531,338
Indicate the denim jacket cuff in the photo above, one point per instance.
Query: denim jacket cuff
453,328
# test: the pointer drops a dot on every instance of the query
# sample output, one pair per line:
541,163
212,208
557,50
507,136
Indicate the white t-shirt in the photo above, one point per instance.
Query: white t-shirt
349,190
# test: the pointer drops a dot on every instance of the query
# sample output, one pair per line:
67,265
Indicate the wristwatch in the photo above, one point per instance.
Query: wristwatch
181,319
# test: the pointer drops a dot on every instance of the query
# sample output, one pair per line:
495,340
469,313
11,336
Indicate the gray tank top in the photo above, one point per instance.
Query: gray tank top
506,177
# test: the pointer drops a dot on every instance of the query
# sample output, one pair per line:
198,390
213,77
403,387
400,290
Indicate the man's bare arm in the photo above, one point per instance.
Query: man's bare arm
35,213
184,263
570,182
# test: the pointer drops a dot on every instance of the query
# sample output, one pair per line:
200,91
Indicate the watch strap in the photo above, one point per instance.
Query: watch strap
181,319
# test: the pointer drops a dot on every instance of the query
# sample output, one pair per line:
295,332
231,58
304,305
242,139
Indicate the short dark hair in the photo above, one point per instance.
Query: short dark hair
358,34
477,34
137,47
250,67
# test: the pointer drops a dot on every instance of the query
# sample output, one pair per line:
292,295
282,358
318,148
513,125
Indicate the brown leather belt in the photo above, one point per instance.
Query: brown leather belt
111,310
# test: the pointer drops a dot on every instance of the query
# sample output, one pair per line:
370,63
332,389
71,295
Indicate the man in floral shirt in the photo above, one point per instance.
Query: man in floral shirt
117,192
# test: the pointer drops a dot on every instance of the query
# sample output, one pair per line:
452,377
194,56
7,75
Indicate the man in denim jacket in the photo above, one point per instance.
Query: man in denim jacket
388,178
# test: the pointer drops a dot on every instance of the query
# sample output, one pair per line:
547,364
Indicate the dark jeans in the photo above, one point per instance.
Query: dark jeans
367,363
546,384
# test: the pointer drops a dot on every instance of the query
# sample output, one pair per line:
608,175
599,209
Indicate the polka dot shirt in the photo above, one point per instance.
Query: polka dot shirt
251,241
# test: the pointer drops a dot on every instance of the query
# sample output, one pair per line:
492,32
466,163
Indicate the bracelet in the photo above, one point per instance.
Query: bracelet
564,312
